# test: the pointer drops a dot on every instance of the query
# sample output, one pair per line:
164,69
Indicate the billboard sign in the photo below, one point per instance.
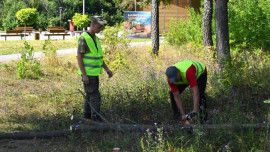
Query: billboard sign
138,24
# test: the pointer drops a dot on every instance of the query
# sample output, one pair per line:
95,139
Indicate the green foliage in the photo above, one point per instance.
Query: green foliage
115,41
249,23
80,20
27,15
8,19
186,31
28,67
249,26
49,11
51,54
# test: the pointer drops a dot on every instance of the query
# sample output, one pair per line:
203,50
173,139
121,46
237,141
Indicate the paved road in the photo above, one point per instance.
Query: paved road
5,58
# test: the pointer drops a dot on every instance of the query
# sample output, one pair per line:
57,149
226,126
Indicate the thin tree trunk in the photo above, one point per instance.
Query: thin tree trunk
207,23
222,32
155,27
24,31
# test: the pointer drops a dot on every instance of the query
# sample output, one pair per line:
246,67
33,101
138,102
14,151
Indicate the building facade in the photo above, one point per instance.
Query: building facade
177,9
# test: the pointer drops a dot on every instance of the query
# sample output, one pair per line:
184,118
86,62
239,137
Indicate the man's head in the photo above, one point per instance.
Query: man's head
97,23
173,74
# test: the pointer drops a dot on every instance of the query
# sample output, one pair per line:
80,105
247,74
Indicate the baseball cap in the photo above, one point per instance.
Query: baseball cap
171,73
98,19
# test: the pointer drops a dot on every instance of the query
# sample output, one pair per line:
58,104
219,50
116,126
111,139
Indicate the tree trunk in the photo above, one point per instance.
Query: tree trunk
155,27
88,125
33,135
207,23
222,32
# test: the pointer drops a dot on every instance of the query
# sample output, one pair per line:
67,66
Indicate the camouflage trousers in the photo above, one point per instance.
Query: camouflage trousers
92,98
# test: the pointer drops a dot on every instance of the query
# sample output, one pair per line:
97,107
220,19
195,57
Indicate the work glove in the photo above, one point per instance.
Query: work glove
191,115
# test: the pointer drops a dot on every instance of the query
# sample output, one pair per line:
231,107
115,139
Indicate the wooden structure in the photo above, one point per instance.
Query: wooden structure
56,31
28,29
177,9
18,31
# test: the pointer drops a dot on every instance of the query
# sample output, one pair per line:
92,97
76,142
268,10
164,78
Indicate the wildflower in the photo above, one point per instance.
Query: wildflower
155,123
77,126
264,122
208,121
116,149
159,139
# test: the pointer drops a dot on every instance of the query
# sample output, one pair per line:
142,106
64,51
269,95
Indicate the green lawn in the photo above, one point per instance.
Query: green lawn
13,47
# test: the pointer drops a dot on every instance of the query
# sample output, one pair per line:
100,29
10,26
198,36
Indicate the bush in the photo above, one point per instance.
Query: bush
51,54
28,15
81,21
28,67
186,31
116,43
249,23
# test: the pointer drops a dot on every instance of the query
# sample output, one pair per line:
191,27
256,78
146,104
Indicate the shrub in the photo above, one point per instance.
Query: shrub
249,23
81,21
28,67
184,31
116,43
28,15
51,54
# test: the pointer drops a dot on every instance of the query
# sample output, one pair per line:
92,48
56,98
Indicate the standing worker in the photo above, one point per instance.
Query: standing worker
182,74
91,64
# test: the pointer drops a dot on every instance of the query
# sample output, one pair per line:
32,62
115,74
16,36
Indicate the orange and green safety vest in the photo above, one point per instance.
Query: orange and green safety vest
183,67
93,61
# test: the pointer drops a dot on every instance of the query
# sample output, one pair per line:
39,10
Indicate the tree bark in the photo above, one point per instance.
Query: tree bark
88,125
207,23
222,32
169,127
33,135
155,27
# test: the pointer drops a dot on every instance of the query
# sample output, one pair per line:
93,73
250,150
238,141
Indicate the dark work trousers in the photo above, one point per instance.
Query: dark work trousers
201,82
92,98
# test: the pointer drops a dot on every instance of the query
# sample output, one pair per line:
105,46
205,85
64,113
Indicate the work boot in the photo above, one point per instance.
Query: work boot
191,115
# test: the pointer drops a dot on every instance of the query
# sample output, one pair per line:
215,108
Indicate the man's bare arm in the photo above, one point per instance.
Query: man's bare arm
196,98
179,104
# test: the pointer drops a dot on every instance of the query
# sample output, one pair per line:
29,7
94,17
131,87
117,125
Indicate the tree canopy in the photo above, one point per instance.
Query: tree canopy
49,12
27,15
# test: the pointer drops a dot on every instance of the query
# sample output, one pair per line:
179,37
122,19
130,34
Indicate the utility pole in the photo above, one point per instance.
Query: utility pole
135,4
83,10
60,15
83,7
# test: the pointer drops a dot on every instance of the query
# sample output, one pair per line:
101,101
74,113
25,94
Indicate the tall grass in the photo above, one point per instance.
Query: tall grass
138,93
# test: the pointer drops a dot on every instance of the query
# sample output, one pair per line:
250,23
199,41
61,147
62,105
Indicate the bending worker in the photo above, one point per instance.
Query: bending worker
180,76
91,65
